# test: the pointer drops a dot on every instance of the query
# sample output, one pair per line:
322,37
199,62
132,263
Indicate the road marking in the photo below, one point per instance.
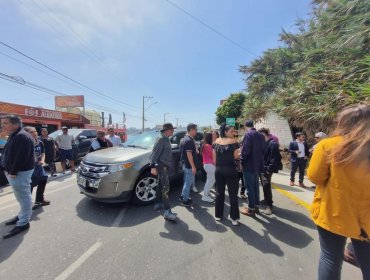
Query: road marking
292,197
66,273
118,219
46,193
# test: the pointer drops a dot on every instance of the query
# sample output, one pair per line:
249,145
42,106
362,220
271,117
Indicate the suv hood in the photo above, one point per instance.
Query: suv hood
115,155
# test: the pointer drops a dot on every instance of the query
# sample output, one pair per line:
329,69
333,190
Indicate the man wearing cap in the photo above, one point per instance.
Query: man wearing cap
64,144
252,158
160,162
318,137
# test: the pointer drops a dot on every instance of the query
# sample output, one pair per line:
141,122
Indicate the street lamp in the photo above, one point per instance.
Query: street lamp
143,117
164,117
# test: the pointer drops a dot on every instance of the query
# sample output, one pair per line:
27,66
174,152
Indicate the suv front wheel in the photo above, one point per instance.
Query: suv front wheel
144,191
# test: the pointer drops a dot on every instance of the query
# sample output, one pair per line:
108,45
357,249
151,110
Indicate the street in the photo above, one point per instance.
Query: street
77,238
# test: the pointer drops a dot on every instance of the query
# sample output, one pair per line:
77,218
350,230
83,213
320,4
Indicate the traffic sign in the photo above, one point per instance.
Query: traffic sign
230,121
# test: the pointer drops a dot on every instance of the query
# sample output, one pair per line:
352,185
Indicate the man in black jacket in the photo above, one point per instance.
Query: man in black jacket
272,159
299,154
160,162
18,161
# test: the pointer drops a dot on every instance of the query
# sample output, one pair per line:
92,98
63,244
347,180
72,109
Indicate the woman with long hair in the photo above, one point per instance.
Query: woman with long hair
340,168
225,153
208,165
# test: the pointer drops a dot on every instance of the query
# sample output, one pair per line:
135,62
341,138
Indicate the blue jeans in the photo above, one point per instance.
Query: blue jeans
332,253
189,181
22,192
253,188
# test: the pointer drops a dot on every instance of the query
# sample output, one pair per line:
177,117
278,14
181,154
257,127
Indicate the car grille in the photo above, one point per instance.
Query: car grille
92,170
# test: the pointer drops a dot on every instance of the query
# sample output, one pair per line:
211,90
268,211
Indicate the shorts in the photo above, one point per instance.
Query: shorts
65,154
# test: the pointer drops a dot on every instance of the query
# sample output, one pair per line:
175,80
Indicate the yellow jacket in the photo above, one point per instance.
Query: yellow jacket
341,202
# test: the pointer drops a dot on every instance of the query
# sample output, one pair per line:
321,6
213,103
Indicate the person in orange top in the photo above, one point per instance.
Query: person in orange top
340,167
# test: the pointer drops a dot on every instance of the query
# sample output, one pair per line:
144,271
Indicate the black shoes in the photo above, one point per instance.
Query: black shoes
42,203
188,202
12,221
16,230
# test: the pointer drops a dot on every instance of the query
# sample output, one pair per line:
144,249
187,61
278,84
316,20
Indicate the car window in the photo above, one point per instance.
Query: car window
89,133
176,138
199,136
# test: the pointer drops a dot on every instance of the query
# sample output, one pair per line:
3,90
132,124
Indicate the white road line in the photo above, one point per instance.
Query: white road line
119,218
46,193
66,273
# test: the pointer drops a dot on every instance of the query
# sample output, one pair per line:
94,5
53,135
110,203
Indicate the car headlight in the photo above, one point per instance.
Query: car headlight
120,166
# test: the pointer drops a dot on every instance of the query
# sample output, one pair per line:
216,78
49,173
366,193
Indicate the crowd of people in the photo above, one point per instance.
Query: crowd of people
339,167
26,153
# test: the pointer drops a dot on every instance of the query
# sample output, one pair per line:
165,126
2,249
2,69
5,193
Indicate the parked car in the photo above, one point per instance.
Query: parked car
122,173
82,140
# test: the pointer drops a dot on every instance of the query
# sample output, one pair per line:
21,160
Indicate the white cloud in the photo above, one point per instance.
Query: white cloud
91,19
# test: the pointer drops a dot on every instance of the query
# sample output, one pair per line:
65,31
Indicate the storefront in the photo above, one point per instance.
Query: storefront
40,117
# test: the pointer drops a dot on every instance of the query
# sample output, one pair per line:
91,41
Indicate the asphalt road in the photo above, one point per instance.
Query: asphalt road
77,238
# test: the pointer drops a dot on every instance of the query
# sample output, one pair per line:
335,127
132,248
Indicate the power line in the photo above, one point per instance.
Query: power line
52,92
61,74
214,30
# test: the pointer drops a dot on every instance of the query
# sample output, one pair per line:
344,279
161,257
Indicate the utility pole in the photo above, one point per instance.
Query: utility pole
143,114
177,122
102,120
164,117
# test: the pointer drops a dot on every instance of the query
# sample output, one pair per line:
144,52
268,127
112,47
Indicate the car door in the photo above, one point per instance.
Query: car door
84,142
176,164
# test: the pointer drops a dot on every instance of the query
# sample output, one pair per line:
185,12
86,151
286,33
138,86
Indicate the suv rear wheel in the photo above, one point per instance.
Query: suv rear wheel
145,189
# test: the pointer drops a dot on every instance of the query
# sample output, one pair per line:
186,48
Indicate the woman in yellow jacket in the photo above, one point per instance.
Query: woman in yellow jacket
340,167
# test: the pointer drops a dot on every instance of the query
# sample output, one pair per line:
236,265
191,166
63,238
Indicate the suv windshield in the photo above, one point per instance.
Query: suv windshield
145,140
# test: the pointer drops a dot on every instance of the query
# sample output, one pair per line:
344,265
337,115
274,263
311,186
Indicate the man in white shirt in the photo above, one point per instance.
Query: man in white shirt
299,153
64,144
114,139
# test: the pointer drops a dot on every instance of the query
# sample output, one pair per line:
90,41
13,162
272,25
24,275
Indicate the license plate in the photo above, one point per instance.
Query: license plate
82,181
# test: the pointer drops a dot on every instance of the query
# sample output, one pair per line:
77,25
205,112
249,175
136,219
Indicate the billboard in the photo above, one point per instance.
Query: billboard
69,101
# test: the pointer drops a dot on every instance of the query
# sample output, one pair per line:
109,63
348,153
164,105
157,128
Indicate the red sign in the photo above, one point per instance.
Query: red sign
8,108
69,101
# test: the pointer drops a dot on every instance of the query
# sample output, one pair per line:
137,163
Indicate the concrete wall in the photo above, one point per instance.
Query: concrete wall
278,126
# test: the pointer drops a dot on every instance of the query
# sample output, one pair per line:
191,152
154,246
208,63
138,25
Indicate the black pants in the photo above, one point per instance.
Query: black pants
266,185
241,178
163,187
229,177
41,184
51,165
299,164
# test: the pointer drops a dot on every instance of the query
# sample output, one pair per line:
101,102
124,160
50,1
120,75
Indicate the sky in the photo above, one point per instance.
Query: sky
185,54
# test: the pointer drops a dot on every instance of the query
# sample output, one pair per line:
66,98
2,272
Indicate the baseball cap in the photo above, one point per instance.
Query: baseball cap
321,135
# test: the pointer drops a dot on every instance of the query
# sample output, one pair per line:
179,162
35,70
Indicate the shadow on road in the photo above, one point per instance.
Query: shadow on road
286,233
179,231
9,246
262,243
294,216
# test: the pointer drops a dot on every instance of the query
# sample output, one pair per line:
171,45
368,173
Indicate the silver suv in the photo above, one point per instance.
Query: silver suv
121,173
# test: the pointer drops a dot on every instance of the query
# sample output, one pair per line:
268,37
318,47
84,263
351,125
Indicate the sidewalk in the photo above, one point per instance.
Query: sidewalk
301,196
5,190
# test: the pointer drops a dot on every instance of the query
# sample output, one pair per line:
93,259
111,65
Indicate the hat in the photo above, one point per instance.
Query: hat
64,127
167,126
249,123
320,135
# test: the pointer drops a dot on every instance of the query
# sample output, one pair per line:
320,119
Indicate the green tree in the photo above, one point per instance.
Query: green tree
231,108
319,70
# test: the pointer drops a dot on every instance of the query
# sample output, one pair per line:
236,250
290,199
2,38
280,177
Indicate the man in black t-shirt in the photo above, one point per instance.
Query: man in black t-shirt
188,157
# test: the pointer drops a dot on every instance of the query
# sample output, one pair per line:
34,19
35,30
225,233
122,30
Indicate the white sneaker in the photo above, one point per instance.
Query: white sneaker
194,189
234,222
206,198
218,219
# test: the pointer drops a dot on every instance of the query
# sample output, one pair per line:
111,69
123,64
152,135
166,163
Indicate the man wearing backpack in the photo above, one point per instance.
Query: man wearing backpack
272,160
